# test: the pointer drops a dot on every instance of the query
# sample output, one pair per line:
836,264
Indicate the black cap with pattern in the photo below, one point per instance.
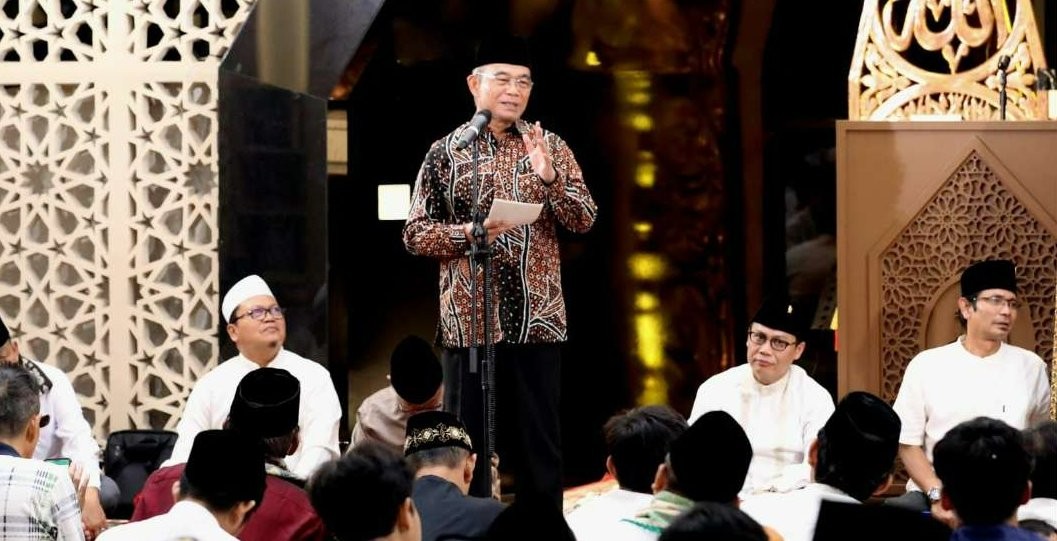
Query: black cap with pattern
433,429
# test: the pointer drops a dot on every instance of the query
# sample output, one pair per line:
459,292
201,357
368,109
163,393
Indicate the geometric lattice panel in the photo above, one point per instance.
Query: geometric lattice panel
108,195
973,216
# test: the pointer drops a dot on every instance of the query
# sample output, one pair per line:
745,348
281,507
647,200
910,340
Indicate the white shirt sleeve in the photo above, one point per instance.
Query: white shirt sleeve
78,443
195,419
1040,396
319,429
910,406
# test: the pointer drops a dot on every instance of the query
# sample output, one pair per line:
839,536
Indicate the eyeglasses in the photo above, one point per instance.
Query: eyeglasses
257,313
777,344
503,80
996,301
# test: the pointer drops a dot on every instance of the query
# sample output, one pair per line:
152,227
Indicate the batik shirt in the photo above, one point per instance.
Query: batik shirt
528,306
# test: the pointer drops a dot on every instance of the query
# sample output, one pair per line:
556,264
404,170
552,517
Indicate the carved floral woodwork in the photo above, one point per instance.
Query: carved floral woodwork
940,57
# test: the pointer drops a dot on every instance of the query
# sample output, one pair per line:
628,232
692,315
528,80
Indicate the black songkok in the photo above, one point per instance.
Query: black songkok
864,431
503,49
780,314
433,429
226,465
993,274
266,403
5,334
710,460
414,370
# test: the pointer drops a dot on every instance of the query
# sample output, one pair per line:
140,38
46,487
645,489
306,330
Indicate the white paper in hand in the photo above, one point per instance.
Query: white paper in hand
514,212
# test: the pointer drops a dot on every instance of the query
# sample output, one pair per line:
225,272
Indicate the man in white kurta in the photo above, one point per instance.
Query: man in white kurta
851,460
976,375
777,403
258,329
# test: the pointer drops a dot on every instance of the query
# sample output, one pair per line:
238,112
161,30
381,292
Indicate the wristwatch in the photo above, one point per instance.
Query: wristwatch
934,494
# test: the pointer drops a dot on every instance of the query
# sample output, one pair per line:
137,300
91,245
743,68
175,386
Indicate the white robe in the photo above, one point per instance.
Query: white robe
68,434
793,514
186,520
598,516
318,415
781,420
946,386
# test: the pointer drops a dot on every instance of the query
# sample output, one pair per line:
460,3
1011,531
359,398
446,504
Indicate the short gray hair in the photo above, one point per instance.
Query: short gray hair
19,400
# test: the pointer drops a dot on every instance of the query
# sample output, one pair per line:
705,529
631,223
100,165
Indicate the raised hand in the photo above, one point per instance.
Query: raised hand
538,153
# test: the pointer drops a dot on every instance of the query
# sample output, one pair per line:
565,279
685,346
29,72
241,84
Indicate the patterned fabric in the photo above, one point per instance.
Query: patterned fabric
437,436
663,509
528,302
37,501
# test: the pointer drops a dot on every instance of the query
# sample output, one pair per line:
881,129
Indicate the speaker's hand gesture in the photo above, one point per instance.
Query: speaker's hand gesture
538,153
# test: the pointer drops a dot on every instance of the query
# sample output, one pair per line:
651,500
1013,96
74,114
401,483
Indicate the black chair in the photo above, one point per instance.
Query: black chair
130,457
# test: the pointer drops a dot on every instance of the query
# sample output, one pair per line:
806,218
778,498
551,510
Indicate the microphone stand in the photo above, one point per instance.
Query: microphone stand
481,256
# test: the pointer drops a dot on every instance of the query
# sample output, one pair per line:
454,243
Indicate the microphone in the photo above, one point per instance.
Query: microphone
1003,65
477,123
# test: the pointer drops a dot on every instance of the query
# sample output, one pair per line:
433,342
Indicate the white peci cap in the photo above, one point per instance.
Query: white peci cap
248,287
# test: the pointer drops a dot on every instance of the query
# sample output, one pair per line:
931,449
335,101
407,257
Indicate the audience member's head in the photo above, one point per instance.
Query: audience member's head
266,407
984,469
437,444
256,323
225,474
777,338
415,372
716,522
366,494
638,440
1040,527
857,446
1041,443
708,462
530,518
19,409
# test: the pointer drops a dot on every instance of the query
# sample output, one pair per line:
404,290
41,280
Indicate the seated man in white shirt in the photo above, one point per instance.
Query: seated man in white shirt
220,487
1040,513
851,460
37,499
638,442
257,327
776,402
67,434
978,374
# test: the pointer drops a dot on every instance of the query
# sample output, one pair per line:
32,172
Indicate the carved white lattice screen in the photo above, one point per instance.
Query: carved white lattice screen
108,195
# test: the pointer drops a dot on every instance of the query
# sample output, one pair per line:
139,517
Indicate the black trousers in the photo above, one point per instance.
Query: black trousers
528,433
